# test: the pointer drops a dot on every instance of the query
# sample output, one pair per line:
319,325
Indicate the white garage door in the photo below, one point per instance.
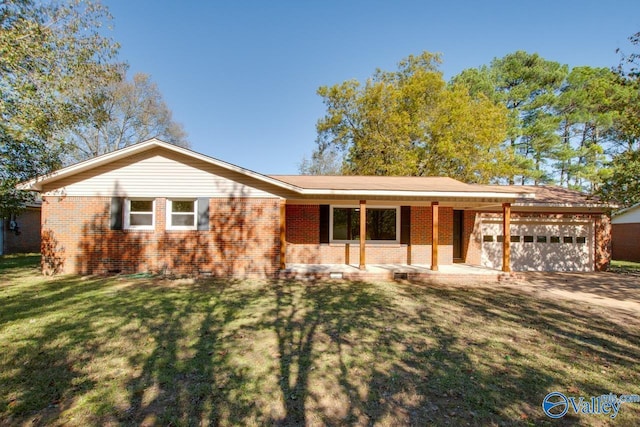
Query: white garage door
540,245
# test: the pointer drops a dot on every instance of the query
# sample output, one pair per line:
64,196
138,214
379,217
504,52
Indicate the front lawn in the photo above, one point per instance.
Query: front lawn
143,351
625,267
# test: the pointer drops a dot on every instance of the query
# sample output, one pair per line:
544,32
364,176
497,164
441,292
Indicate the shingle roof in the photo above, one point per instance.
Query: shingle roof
554,195
384,183
306,186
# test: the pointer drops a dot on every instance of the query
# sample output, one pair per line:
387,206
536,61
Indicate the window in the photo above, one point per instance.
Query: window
487,238
346,224
581,240
555,239
528,239
181,214
541,239
567,239
139,214
382,224
515,239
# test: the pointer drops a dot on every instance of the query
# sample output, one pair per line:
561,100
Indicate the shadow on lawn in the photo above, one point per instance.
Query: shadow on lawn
285,353
40,367
350,355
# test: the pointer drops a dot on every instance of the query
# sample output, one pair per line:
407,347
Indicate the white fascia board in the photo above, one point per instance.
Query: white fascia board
623,212
563,205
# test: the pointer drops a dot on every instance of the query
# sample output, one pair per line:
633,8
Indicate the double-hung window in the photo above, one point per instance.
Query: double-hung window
139,214
383,224
182,214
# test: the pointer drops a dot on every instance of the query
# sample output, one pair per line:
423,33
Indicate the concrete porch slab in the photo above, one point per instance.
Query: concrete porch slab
460,273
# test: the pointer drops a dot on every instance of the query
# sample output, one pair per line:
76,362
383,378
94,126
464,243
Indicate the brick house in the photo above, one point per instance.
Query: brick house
626,234
161,208
21,233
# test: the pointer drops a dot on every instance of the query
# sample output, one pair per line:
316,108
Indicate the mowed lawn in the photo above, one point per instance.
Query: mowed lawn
144,351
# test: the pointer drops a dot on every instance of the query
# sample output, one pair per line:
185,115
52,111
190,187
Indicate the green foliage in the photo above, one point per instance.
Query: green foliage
590,106
563,125
628,128
623,185
466,133
410,122
50,53
526,85
553,125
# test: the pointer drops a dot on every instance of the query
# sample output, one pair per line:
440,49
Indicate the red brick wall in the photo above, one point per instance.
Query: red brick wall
303,224
28,237
242,240
626,242
602,256
303,237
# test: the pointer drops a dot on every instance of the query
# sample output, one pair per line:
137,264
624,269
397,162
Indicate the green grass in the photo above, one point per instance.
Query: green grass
142,351
625,266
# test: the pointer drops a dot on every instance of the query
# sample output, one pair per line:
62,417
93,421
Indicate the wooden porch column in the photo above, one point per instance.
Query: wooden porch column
506,237
347,253
434,236
363,232
283,234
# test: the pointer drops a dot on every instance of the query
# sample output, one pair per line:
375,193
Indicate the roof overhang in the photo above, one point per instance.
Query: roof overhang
625,211
414,191
482,194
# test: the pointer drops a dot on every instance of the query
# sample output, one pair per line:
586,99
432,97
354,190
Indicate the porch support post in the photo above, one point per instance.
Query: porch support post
283,234
506,237
434,236
363,232
347,253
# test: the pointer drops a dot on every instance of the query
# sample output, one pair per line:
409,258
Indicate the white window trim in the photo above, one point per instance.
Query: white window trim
127,214
357,241
169,213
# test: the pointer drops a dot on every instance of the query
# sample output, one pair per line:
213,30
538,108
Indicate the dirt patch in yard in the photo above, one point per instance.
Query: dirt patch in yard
616,294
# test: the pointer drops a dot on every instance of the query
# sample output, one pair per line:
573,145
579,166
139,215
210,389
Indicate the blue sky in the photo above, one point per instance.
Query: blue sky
242,75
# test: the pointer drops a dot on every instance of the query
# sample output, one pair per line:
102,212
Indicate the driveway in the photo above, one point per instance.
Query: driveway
608,291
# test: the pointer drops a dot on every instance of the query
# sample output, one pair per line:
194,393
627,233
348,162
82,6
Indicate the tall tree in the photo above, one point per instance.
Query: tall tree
590,107
623,185
526,84
410,122
121,114
628,129
48,51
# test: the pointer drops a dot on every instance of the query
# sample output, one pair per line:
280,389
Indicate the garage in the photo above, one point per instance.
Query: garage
540,245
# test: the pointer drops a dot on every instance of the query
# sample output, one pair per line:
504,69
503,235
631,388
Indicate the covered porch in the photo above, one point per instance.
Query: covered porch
426,237
357,226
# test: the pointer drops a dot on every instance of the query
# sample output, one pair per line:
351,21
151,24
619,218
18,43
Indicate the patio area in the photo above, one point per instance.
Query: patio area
394,272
